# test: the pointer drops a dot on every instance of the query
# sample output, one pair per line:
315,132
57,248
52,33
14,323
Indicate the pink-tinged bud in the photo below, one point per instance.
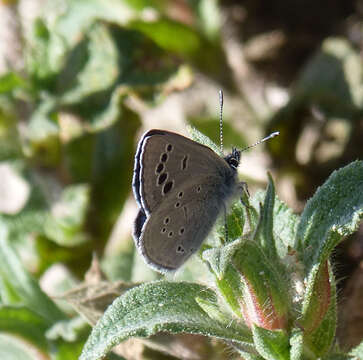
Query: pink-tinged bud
257,288
254,312
317,298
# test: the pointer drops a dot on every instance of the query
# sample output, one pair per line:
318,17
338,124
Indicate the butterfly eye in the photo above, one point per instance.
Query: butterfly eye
233,163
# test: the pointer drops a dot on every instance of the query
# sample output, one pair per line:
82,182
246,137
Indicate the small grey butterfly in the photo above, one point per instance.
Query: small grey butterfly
181,186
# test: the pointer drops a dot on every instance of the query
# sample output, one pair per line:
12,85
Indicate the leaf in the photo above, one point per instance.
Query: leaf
42,133
227,287
169,35
333,213
246,355
14,348
285,223
296,344
44,56
357,351
154,307
209,126
19,288
220,258
235,222
196,135
67,330
331,78
264,233
271,345
11,81
10,144
210,18
19,320
80,13
91,67
320,340
72,351
68,214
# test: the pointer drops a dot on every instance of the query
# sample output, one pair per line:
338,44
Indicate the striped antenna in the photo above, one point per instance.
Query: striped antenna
221,119
262,140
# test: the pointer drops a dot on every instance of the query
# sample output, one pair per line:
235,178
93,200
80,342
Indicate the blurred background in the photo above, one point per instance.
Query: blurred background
81,80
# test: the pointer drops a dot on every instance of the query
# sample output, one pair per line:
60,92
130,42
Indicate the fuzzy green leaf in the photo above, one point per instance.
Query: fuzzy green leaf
197,136
333,213
271,345
264,233
154,307
227,287
220,258
235,222
358,351
296,344
285,223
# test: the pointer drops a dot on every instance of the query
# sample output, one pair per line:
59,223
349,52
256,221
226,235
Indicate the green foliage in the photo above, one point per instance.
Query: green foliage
260,288
67,136
138,313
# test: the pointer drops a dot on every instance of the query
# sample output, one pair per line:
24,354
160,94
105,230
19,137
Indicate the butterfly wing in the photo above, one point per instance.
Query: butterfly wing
164,160
179,225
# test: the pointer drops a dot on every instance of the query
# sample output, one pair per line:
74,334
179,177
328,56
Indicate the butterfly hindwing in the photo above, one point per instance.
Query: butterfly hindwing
179,225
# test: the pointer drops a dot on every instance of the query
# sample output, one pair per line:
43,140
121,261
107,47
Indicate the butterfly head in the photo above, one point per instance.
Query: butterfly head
233,158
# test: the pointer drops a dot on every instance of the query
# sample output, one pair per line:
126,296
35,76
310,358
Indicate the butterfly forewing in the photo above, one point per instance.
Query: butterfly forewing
164,161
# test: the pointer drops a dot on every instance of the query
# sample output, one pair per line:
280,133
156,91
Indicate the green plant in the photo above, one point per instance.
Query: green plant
274,274
67,134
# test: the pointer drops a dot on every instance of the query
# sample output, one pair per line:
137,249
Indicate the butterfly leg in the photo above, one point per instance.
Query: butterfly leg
225,224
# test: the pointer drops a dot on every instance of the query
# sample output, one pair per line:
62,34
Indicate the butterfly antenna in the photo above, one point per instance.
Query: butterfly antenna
262,140
221,119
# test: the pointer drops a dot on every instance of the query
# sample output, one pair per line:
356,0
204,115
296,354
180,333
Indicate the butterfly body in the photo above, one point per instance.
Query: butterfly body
181,187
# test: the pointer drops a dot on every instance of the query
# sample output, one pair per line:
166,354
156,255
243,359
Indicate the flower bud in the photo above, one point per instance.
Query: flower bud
258,288
317,298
